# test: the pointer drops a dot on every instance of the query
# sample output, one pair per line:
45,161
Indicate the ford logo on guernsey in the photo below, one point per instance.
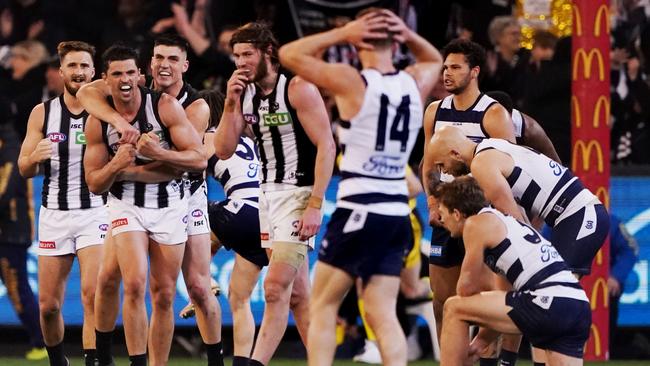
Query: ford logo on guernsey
103,227
56,137
197,213
250,118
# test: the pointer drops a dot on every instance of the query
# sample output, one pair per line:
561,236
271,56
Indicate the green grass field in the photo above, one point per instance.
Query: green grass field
4,361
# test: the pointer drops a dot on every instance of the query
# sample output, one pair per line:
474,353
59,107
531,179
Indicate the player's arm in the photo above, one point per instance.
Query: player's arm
101,172
189,154
308,103
232,124
303,57
430,173
413,183
199,115
35,148
428,60
487,169
536,137
92,97
155,172
472,273
498,123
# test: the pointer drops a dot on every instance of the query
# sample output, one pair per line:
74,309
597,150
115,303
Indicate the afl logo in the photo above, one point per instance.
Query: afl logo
56,137
103,227
250,118
197,213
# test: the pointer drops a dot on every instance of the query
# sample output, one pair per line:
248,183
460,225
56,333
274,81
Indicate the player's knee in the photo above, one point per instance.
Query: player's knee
451,307
134,289
162,297
237,299
49,307
88,297
275,291
299,296
109,281
198,293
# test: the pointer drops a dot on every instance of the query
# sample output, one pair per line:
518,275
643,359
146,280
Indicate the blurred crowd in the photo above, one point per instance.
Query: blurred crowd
537,79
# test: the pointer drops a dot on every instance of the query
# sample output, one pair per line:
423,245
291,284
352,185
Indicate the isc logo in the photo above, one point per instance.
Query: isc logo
277,119
56,137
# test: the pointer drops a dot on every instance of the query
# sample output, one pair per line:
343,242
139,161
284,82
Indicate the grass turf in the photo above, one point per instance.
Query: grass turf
9,361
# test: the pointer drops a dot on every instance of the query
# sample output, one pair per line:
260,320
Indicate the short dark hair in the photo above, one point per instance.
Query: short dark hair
74,46
474,52
544,39
462,194
171,40
118,52
503,98
215,100
260,35
382,43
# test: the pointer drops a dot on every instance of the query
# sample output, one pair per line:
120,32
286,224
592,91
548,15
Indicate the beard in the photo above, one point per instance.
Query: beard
261,71
461,86
459,169
71,89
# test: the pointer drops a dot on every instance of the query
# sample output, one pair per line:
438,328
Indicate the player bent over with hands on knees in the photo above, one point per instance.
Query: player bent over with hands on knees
547,304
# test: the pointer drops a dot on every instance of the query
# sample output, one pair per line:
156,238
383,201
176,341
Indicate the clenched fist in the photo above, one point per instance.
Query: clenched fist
124,157
43,151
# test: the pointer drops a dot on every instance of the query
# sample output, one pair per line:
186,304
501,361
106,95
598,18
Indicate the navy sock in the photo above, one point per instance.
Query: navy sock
89,357
215,354
252,362
539,364
138,360
508,358
239,361
104,343
56,356
488,361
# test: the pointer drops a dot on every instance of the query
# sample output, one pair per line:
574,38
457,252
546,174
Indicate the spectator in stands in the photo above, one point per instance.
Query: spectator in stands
23,90
213,63
630,107
623,254
507,62
15,239
547,97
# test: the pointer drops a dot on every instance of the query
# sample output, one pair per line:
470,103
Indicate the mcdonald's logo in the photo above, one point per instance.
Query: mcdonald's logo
587,60
577,20
603,195
599,257
585,150
601,284
575,103
603,11
595,335
602,102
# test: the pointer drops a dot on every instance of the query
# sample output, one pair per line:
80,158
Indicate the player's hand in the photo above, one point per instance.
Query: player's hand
237,84
128,133
476,348
613,286
434,213
370,26
309,225
149,145
42,152
401,33
124,157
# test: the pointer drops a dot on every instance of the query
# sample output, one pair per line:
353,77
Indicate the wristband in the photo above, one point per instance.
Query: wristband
315,202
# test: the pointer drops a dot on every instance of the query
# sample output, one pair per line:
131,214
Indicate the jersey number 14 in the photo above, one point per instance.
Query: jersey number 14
399,129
